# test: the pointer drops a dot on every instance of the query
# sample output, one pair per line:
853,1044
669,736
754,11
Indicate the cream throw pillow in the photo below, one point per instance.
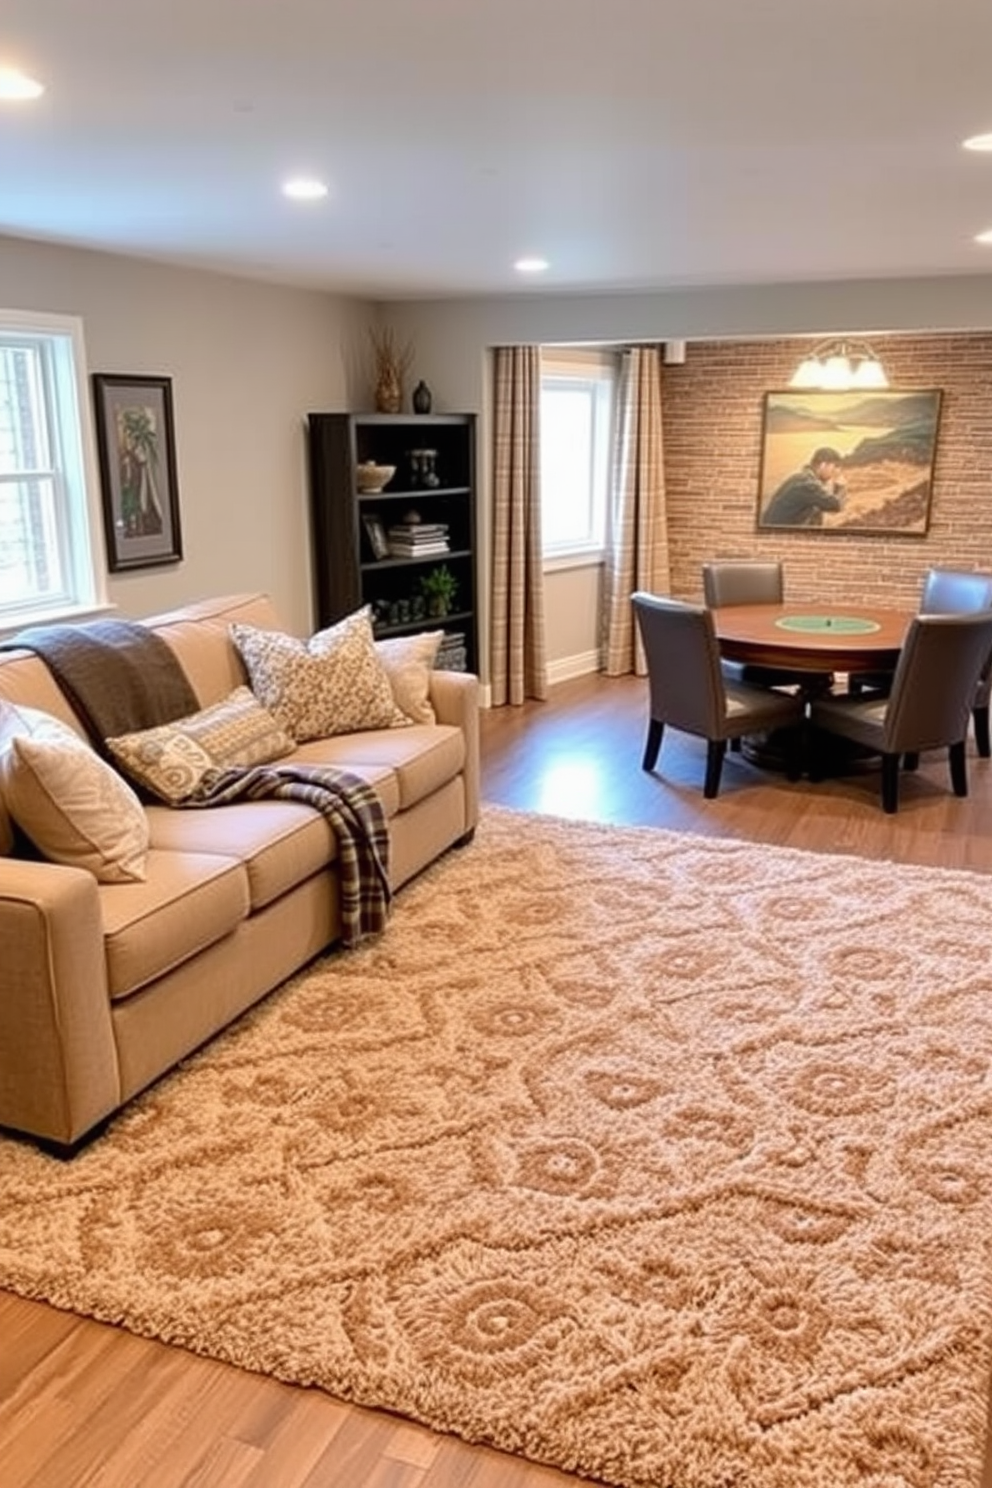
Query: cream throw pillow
332,684
408,662
69,802
172,760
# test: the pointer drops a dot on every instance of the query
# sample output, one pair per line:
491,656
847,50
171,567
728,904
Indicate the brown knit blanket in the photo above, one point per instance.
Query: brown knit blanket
118,675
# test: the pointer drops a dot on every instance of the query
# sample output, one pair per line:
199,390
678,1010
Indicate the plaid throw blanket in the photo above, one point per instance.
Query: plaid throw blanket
119,676
350,806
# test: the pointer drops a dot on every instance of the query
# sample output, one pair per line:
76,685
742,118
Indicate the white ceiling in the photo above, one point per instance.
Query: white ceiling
637,144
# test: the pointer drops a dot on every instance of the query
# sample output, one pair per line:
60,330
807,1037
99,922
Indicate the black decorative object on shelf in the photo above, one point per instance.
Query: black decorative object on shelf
422,400
423,469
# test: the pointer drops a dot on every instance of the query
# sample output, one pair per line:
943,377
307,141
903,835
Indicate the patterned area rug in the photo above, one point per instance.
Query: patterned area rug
662,1159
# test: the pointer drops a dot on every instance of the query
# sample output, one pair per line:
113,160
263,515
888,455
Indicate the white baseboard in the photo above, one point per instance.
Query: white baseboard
567,667
562,670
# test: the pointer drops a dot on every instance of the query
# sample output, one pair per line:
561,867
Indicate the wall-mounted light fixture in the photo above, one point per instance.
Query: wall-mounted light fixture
840,365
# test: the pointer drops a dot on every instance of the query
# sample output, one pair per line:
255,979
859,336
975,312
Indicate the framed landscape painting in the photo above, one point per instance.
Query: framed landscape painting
136,445
855,462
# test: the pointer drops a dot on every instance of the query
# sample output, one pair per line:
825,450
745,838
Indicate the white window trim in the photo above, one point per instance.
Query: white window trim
574,558
88,555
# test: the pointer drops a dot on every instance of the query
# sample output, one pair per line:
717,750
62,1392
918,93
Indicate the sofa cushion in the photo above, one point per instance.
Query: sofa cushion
171,760
332,684
408,662
69,802
186,903
281,843
200,636
6,822
421,758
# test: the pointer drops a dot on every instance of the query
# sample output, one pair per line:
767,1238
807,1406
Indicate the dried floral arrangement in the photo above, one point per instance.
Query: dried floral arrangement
391,367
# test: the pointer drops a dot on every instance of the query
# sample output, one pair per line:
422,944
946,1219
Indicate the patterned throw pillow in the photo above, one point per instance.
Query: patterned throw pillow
332,684
69,802
408,662
171,760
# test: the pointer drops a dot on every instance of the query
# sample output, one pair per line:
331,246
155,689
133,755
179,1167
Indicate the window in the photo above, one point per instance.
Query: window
577,396
48,512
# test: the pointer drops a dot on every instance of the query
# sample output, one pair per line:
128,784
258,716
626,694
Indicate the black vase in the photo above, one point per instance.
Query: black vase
421,398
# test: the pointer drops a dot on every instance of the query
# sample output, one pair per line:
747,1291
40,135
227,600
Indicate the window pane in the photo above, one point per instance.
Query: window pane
24,441
30,561
566,465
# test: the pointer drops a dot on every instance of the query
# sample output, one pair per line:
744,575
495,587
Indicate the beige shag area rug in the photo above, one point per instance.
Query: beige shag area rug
664,1159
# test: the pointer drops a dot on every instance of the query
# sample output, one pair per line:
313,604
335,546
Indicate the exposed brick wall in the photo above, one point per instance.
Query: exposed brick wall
712,409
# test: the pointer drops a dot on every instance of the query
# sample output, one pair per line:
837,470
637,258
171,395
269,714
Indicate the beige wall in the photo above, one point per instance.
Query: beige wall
248,362
571,637
747,336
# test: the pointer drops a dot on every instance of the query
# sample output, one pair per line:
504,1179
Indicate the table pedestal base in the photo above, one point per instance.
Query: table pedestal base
822,758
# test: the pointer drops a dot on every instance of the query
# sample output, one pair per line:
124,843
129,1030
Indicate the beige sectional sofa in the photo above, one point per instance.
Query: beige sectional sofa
104,986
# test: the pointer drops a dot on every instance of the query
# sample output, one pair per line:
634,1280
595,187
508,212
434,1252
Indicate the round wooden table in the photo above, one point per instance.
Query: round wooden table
817,639
814,638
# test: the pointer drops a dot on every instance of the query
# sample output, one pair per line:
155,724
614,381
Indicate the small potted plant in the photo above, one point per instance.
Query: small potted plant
439,588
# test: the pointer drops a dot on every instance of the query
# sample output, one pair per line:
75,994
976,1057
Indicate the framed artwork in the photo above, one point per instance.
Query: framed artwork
136,444
376,534
855,462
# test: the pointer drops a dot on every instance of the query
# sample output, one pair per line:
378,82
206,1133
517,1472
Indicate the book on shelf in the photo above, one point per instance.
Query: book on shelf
417,550
418,529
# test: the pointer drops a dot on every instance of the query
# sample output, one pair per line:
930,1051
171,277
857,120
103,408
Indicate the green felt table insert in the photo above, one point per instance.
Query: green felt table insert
828,624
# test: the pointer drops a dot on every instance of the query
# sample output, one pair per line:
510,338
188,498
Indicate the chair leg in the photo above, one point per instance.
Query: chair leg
655,730
715,751
959,769
890,782
981,720
911,761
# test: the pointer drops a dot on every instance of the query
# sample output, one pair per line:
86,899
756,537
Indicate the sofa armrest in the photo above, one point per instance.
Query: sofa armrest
58,1058
455,699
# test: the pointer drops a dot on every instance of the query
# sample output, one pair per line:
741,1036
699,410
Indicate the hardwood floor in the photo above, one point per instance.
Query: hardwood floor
579,754
84,1405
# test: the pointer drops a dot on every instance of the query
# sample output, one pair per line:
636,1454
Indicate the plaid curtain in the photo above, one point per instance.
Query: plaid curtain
637,527
517,661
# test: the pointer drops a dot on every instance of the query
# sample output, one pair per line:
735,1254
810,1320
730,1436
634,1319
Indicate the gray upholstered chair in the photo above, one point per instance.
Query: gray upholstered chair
927,708
689,691
950,591
737,581
740,581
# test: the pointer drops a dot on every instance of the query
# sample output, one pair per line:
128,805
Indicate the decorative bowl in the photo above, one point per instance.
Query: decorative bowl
372,478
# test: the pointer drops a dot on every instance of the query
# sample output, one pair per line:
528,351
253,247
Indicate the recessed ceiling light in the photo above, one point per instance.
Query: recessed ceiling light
984,237
531,265
304,188
16,85
978,142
